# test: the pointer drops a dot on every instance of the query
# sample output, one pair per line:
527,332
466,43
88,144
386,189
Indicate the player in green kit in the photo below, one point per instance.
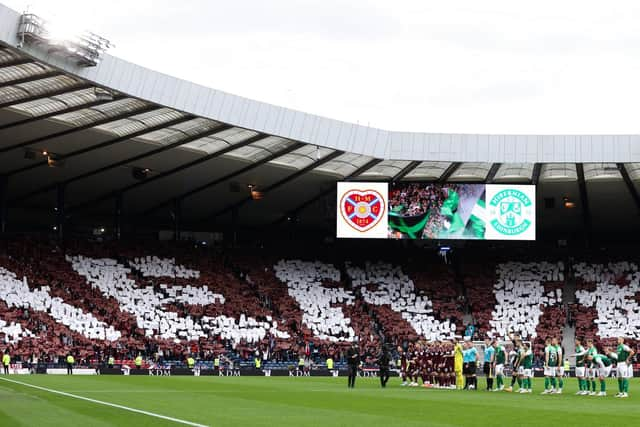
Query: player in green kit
602,364
624,369
591,372
550,364
559,369
581,352
525,371
500,359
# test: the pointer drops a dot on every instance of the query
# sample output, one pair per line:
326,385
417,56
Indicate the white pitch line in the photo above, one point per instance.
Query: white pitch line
100,402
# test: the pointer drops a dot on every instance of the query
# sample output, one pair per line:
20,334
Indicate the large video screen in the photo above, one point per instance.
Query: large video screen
415,210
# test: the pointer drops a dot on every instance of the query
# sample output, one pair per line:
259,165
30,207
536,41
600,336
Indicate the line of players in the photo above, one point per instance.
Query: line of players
433,362
443,365
591,365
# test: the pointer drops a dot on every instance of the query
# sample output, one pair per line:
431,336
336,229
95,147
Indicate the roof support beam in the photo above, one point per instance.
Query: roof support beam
169,172
406,170
630,186
281,182
4,210
104,144
60,213
586,212
492,172
56,92
449,171
226,177
126,161
42,76
535,176
79,128
326,192
18,61
117,217
177,218
58,112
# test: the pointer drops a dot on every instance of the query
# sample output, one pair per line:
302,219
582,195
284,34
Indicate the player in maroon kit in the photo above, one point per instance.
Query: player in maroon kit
430,366
436,357
414,365
448,366
404,364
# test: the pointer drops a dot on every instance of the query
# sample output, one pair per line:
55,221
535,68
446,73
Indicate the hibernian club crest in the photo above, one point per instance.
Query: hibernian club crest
512,212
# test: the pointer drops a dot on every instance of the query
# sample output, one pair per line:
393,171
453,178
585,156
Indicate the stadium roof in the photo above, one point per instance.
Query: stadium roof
120,133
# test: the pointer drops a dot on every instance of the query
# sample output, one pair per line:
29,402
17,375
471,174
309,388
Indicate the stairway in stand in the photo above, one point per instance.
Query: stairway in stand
568,298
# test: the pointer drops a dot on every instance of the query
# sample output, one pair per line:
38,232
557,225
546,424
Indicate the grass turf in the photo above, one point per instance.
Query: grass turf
285,401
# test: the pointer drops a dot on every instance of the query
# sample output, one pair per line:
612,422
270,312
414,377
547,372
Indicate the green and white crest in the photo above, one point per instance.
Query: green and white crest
511,211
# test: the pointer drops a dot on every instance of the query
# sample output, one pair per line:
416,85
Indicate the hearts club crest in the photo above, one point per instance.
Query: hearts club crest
362,209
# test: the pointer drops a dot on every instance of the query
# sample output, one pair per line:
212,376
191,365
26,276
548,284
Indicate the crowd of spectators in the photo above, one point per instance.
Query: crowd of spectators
380,303
416,198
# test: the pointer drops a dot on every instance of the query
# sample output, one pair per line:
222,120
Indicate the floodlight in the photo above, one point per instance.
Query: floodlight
140,173
54,161
84,47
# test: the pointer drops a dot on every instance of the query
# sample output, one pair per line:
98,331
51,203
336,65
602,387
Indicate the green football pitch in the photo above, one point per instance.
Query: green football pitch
285,401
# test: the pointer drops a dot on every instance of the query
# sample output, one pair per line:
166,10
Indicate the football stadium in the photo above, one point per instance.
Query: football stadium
172,254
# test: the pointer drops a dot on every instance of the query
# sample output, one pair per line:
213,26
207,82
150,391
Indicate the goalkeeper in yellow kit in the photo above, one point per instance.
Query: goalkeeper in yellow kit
457,365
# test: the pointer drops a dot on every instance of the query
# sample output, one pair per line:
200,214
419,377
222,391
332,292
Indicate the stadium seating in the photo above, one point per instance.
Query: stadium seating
13,332
479,281
364,325
152,266
259,275
50,339
168,301
111,278
521,296
392,287
550,324
16,293
609,289
44,265
304,281
443,292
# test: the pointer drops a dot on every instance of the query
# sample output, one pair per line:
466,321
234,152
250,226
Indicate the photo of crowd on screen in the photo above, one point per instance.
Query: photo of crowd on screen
436,211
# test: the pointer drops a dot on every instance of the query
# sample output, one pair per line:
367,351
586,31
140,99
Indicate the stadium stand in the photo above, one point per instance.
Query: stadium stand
162,267
607,296
13,332
397,290
438,282
478,283
16,293
259,274
521,296
304,281
170,301
145,304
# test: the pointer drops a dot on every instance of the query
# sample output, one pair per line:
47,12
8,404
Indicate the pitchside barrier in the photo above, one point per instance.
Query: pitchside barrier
242,372
17,369
76,371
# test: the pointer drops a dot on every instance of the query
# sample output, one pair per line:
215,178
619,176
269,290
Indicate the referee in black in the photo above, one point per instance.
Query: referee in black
383,362
489,359
470,359
353,360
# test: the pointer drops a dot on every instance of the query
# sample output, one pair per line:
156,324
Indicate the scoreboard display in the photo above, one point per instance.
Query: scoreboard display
414,210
